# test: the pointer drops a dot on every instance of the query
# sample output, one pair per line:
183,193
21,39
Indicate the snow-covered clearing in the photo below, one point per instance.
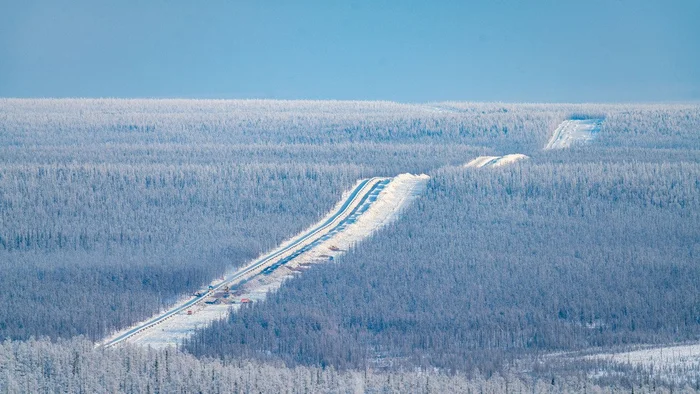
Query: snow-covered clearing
495,161
672,363
574,131
381,207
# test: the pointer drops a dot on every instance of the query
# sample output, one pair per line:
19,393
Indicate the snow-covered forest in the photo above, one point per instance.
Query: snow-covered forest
112,209
74,366
495,263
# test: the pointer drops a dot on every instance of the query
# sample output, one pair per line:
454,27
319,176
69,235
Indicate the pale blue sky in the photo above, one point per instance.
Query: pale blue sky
553,51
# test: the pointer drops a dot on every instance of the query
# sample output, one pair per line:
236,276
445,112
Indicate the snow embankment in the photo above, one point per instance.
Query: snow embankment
574,131
375,212
495,161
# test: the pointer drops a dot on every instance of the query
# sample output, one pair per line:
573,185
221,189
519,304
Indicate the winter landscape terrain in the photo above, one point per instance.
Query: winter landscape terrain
372,204
343,246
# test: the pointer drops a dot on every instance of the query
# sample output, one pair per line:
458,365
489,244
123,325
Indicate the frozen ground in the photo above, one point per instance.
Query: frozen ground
658,356
495,161
380,208
575,131
676,363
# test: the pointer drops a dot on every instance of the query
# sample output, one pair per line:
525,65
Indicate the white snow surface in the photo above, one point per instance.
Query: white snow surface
495,161
673,363
401,191
574,131
509,159
676,356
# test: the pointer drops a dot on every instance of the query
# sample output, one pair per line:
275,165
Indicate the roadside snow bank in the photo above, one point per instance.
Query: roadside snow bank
495,161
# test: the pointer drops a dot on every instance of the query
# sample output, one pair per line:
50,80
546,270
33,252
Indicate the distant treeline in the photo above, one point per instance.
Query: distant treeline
521,127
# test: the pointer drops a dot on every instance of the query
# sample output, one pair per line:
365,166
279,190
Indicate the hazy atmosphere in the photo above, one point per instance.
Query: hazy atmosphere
408,51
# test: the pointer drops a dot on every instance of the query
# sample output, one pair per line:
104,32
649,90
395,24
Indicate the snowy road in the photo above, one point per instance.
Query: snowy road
574,131
495,161
370,205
